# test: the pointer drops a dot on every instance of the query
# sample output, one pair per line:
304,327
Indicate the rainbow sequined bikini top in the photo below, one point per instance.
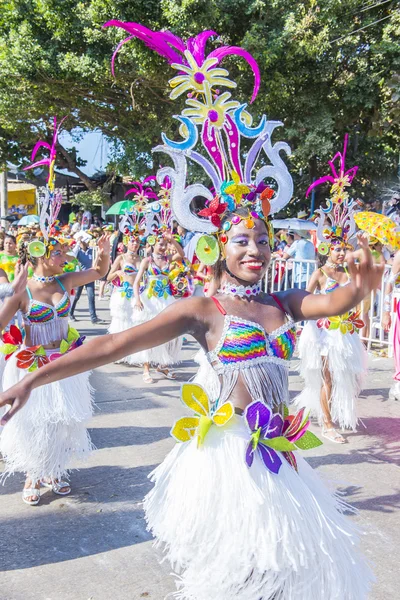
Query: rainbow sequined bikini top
246,343
40,313
130,269
331,284
154,270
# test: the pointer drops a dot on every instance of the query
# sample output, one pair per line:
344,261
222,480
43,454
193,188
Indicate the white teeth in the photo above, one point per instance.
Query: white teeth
255,264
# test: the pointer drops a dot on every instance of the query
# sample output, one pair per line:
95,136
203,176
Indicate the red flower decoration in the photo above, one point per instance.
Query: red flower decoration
214,210
13,339
32,358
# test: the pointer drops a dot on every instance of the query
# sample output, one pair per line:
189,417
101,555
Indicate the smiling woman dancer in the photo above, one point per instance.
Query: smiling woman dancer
44,441
123,273
333,360
239,513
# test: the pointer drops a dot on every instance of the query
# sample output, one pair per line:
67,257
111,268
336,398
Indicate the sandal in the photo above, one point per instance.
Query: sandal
31,493
166,373
147,378
332,435
56,486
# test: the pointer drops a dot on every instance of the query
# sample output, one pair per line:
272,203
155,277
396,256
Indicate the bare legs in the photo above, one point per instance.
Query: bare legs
328,430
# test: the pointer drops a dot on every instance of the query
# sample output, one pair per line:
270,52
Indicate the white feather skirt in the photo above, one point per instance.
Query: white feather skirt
48,436
121,310
236,533
166,354
206,376
346,359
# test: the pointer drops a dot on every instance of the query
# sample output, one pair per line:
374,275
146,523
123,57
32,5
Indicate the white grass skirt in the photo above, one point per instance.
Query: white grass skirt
166,354
121,310
234,533
48,436
346,359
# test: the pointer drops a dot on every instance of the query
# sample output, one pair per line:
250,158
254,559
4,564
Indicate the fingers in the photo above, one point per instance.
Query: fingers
15,407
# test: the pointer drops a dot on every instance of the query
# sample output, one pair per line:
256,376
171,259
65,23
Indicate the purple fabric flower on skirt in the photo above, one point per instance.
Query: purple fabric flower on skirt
266,435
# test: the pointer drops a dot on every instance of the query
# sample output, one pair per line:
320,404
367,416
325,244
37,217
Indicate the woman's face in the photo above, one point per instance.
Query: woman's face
247,251
338,254
160,247
133,244
56,260
10,246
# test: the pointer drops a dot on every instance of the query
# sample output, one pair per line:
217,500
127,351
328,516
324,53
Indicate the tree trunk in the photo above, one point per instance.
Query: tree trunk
66,161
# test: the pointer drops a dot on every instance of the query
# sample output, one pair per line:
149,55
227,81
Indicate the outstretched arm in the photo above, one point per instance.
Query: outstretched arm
99,269
365,276
115,268
176,320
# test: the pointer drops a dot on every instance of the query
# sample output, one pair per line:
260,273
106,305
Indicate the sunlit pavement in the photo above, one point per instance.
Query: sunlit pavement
93,545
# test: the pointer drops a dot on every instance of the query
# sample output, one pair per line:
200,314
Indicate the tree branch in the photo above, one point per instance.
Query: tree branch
67,162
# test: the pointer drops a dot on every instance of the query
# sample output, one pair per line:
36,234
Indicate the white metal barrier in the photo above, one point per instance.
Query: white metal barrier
283,275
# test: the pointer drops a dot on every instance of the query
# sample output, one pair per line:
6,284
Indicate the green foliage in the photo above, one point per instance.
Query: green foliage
90,199
318,77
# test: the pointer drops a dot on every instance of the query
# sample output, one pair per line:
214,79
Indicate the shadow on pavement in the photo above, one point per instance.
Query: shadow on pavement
102,514
113,437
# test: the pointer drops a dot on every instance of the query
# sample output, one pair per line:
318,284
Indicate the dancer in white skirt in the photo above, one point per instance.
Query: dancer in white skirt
47,439
123,273
155,295
333,360
238,512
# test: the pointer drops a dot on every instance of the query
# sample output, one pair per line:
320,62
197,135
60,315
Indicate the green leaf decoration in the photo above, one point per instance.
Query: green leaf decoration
308,441
207,249
8,348
285,411
33,367
40,351
73,335
281,444
64,346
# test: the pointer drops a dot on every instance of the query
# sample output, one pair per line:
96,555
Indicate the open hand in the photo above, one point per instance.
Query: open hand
103,245
21,277
17,396
366,276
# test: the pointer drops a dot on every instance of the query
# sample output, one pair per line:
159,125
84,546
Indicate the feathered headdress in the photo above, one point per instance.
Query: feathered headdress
336,225
51,203
222,124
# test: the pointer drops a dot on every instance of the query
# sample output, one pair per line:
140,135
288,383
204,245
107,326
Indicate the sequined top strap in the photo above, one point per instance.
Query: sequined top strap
279,303
218,305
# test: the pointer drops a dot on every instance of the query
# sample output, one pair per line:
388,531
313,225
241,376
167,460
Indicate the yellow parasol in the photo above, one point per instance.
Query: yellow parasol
380,227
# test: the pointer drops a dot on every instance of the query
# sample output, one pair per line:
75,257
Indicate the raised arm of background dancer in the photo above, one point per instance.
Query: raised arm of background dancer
115,267
313,284
99,269
178,319
365,276
179,250
13,297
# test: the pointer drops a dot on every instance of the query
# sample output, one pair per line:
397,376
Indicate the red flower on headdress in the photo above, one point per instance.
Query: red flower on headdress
214,210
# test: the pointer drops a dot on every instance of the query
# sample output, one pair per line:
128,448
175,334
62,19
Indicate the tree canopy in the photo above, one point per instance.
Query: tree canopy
327,67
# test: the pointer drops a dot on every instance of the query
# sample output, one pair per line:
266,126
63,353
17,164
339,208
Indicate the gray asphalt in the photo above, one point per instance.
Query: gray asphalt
93,544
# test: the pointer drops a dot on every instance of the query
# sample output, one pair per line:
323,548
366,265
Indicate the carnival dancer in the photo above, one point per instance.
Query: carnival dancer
155,295
333,360
389,306
237,510
123,274
47,439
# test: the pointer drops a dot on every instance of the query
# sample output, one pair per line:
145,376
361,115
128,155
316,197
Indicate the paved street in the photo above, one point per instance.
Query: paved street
93,545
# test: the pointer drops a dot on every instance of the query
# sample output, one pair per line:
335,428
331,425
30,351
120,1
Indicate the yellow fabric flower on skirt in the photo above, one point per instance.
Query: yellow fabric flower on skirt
196,398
